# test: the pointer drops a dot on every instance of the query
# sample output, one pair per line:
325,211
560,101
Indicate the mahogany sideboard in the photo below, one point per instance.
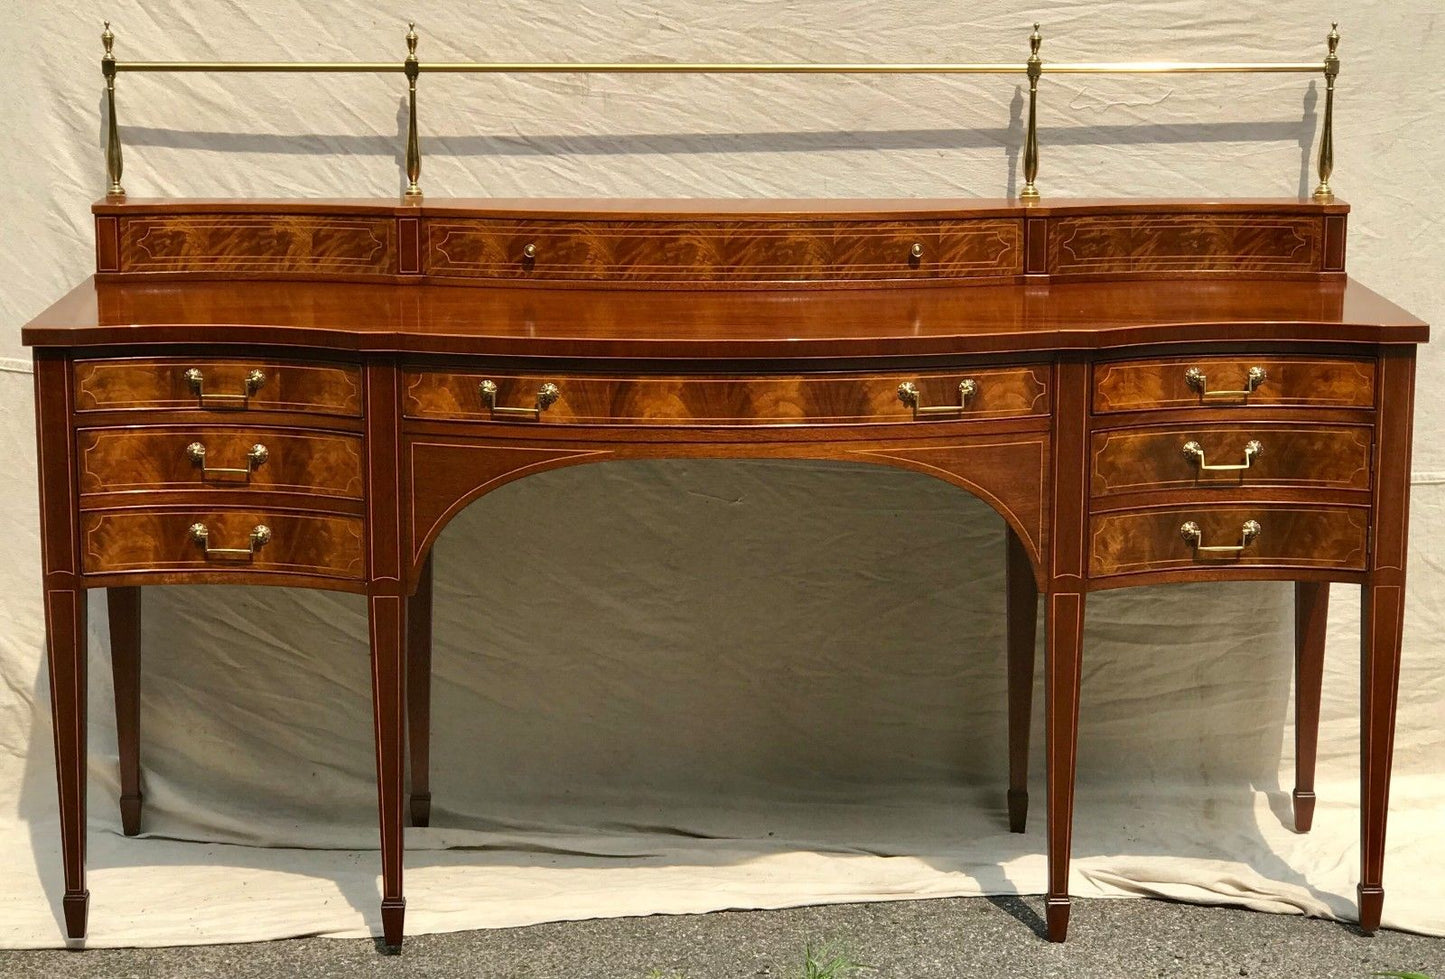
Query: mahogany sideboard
304,393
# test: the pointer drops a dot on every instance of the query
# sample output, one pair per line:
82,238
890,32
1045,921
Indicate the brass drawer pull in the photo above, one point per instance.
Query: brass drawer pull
1192,535
916,251
1196,379
260,536
547,395
908,394
254,458
529,251
1252,450
197,380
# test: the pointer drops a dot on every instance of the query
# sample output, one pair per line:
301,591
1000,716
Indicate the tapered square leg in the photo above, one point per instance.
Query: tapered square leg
1381,620
388,638
418,694
123,605
65,620
1064,631
1311,610
1022,602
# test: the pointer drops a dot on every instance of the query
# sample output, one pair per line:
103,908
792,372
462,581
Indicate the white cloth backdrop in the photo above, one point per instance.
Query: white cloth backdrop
668,687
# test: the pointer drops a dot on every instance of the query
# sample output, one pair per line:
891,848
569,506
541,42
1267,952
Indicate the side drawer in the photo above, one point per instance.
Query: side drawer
195,457
1135,460
1010,392
232,540
1217,537
1195,382
254,384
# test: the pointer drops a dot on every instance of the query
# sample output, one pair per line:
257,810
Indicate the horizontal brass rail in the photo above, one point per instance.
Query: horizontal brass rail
1033,70
704,68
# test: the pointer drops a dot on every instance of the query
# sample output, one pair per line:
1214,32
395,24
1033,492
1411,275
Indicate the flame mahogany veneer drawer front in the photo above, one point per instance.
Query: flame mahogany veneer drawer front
549,399
326,464
723,251
1135,460
1248,379
218,384
233,540
1223,537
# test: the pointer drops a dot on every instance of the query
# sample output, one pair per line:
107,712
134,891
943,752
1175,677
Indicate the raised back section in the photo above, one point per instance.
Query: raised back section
719,244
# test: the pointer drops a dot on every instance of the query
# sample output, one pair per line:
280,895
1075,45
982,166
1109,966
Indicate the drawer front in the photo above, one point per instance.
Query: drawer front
1016,392
723,251
279,460
1140,385
1135,460
1299,536
116,541
218,385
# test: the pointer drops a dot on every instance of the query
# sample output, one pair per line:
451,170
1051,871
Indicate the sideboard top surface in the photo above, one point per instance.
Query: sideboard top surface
523,321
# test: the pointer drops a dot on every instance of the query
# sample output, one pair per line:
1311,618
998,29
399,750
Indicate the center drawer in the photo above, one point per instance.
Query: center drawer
549,399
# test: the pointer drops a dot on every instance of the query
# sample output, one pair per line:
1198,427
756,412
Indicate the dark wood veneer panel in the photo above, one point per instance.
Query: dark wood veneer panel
250,243
1182,243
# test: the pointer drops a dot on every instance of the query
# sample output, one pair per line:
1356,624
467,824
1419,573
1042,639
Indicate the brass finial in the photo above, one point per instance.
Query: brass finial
1035,68
413,144
1324,192
114,164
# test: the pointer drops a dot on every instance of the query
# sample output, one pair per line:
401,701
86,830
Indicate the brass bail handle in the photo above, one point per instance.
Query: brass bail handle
908,394
255,380
255,456
1193,536
1199,381
547,395
260,537
1252,450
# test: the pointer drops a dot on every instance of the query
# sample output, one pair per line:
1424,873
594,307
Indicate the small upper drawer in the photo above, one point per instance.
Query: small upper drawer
214,384
1133,460
1010,392
116,541
1192,382
1222,537
168,458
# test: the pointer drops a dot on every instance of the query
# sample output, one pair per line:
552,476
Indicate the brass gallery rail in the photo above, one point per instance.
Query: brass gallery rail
1034,69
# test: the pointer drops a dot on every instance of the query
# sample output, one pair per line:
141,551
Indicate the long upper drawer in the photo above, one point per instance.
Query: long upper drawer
217,384
549,399
1247,379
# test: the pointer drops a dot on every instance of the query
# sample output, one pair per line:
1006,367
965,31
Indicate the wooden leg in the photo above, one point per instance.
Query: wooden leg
1063,634
388,690
65,624
418,695
1382,618
1023,607
1311,607
124,608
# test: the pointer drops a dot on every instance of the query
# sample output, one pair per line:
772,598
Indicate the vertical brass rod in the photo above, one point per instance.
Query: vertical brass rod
1035,68
413,144
114,164
1327,132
